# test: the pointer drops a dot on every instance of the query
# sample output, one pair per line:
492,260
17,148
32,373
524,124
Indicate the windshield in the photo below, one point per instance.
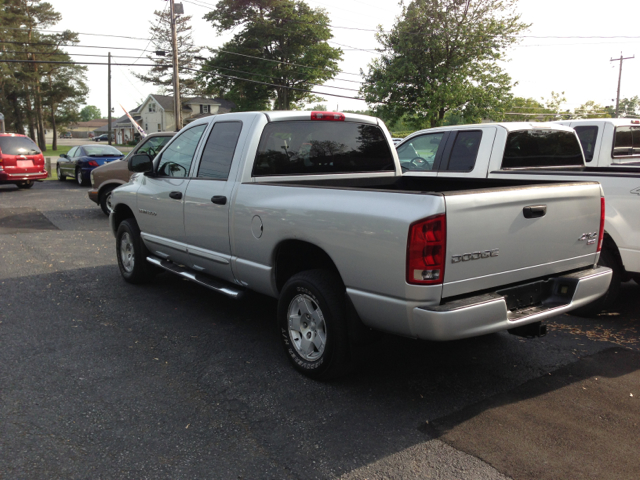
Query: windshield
312,147
542,148
18,146
101,151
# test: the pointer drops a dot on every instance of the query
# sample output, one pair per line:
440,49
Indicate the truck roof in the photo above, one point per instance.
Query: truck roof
617,122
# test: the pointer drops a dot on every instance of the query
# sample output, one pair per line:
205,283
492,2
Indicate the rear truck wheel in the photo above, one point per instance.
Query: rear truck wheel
105,200
312,323
607,301
81,181
132,254
26,184
61,177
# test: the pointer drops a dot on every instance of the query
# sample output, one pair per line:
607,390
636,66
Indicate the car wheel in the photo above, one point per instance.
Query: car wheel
61,177
27,184
132,254
81,181
311,321
607,301
105,200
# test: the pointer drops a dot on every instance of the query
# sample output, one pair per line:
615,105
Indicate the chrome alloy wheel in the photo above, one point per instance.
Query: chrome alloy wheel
79,176
126,252
107,202
307,328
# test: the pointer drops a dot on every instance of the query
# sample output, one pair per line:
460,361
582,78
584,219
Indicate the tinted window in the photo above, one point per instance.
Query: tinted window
316,147
464,151
18,146
419,153
587,136
176,158
542,148
627,142
218,152
153,145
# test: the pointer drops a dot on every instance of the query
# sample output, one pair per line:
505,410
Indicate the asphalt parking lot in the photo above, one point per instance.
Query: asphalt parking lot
102,379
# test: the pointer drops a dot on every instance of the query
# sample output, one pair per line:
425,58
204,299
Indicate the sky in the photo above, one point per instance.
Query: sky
542,62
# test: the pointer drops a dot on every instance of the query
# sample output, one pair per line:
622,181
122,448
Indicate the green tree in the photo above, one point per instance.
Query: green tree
591,109
280,43
90,112
441,56
161,75
630,107
522,109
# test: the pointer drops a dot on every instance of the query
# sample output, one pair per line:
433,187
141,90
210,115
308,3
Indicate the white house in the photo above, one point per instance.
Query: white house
156,112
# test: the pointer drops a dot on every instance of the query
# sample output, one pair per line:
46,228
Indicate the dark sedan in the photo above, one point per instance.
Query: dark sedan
79,162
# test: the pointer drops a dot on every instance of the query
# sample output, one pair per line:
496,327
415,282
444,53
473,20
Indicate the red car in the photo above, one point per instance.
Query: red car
21,161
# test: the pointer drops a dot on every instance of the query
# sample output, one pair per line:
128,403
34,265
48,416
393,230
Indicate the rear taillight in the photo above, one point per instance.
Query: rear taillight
426,251
92,163
601,235
328,116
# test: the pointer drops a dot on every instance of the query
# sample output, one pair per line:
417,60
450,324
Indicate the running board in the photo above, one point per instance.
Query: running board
215,284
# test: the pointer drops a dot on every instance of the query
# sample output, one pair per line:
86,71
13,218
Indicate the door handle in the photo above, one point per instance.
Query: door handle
534,211
219,199
176,195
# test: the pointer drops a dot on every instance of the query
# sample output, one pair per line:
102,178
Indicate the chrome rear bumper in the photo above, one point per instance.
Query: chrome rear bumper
500,310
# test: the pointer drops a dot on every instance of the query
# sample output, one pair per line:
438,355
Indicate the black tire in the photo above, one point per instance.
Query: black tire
104,199
607,259
26,184
323,293
79,179
61,177
132,254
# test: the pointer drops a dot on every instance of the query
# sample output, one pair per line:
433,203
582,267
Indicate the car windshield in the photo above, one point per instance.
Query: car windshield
18,146
102,151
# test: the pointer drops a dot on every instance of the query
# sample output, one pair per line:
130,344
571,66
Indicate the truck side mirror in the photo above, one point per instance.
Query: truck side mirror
140,163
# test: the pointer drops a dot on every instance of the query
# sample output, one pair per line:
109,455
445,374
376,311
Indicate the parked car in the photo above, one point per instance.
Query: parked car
103,138
396,141
312,208
65,135
80,161
107,177
21,161
546,151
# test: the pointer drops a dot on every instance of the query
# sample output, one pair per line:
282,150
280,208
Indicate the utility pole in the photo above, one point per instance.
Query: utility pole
109,100
621,59
177,104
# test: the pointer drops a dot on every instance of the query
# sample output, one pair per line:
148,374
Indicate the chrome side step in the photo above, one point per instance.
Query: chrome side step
215,284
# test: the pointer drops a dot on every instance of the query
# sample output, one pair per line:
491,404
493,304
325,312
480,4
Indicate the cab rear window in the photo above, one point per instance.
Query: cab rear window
18,146
312,148
542,148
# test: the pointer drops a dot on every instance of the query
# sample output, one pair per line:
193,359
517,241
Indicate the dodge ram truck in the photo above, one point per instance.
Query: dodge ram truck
312,208
529,151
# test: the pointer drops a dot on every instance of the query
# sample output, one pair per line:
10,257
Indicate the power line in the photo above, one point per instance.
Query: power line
71,45
44,30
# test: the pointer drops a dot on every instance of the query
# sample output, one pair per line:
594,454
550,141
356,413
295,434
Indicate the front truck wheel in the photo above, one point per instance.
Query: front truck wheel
132,254
607,301
312,323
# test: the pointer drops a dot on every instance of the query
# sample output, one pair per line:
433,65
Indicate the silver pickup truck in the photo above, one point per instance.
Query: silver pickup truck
312,208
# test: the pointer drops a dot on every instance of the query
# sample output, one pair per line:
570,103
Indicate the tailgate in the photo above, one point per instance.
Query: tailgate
490,241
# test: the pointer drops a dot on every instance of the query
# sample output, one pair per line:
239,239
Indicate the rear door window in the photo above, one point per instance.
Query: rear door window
219,150
587,135
464,151
317,147
18,146
627,142
542,148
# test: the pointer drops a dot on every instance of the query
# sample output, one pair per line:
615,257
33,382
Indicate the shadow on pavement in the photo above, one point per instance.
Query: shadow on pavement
580,421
